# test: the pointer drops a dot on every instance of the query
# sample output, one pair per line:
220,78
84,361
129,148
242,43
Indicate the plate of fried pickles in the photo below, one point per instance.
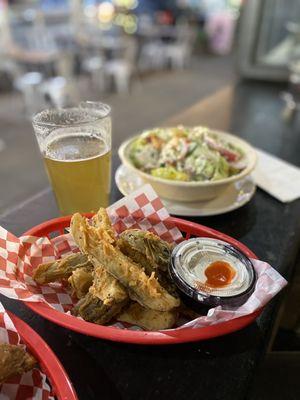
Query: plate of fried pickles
121,286
26,361
122,278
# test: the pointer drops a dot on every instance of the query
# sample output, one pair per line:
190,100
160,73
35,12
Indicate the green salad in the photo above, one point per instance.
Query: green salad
186,154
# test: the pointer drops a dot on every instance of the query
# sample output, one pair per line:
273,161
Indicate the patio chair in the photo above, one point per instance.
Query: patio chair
56,93
178,54
91,56
29,85
94,66
121,70
152,56
64,67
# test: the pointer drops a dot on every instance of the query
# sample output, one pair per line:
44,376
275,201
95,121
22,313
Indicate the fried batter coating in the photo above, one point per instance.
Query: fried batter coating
92,309
107,288
146,290
101,220
145,248
14,360
150,320
60,269
80,281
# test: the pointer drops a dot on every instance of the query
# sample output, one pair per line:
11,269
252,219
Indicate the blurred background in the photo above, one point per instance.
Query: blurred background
148,59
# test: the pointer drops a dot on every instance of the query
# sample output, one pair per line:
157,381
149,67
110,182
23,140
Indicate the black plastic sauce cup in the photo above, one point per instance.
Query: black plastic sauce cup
184,259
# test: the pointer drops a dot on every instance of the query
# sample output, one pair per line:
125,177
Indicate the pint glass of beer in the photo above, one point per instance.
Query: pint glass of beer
76,146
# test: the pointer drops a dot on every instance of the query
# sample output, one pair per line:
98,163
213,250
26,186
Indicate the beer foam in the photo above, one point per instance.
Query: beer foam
74,147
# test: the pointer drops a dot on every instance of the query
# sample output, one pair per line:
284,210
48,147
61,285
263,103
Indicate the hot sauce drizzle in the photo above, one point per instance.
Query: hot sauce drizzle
219,274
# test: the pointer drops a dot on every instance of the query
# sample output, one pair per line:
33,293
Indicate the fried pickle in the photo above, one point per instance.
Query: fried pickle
14,360
150,320
92,309
60,269
145,248
80,281
96,242
105,287
151,252
101,220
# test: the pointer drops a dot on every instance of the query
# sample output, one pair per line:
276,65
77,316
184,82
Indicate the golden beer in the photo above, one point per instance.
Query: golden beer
78,167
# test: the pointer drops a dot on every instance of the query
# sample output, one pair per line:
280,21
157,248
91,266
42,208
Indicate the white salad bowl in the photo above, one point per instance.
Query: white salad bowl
192,191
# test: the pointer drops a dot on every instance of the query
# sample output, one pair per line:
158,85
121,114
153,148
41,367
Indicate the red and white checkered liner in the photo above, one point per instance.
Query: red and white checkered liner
20,256
144,210
32,384
141,209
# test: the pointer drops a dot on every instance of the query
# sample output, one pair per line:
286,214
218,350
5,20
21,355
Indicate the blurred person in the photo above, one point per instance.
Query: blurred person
219,25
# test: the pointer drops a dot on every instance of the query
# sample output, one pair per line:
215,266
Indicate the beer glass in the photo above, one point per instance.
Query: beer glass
76,147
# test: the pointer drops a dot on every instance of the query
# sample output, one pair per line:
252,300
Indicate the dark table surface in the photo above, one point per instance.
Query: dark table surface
221,368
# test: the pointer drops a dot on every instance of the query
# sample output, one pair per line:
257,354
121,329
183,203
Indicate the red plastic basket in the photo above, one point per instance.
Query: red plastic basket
59,380
189,229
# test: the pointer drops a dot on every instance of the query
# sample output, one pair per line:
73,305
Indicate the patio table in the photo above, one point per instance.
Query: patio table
222,368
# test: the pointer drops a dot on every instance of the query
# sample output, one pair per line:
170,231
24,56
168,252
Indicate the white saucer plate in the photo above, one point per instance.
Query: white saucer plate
233,197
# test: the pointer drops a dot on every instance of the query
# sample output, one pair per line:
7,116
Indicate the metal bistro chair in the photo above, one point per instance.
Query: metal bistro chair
29,85
122,69
178,54
91,57
152,56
